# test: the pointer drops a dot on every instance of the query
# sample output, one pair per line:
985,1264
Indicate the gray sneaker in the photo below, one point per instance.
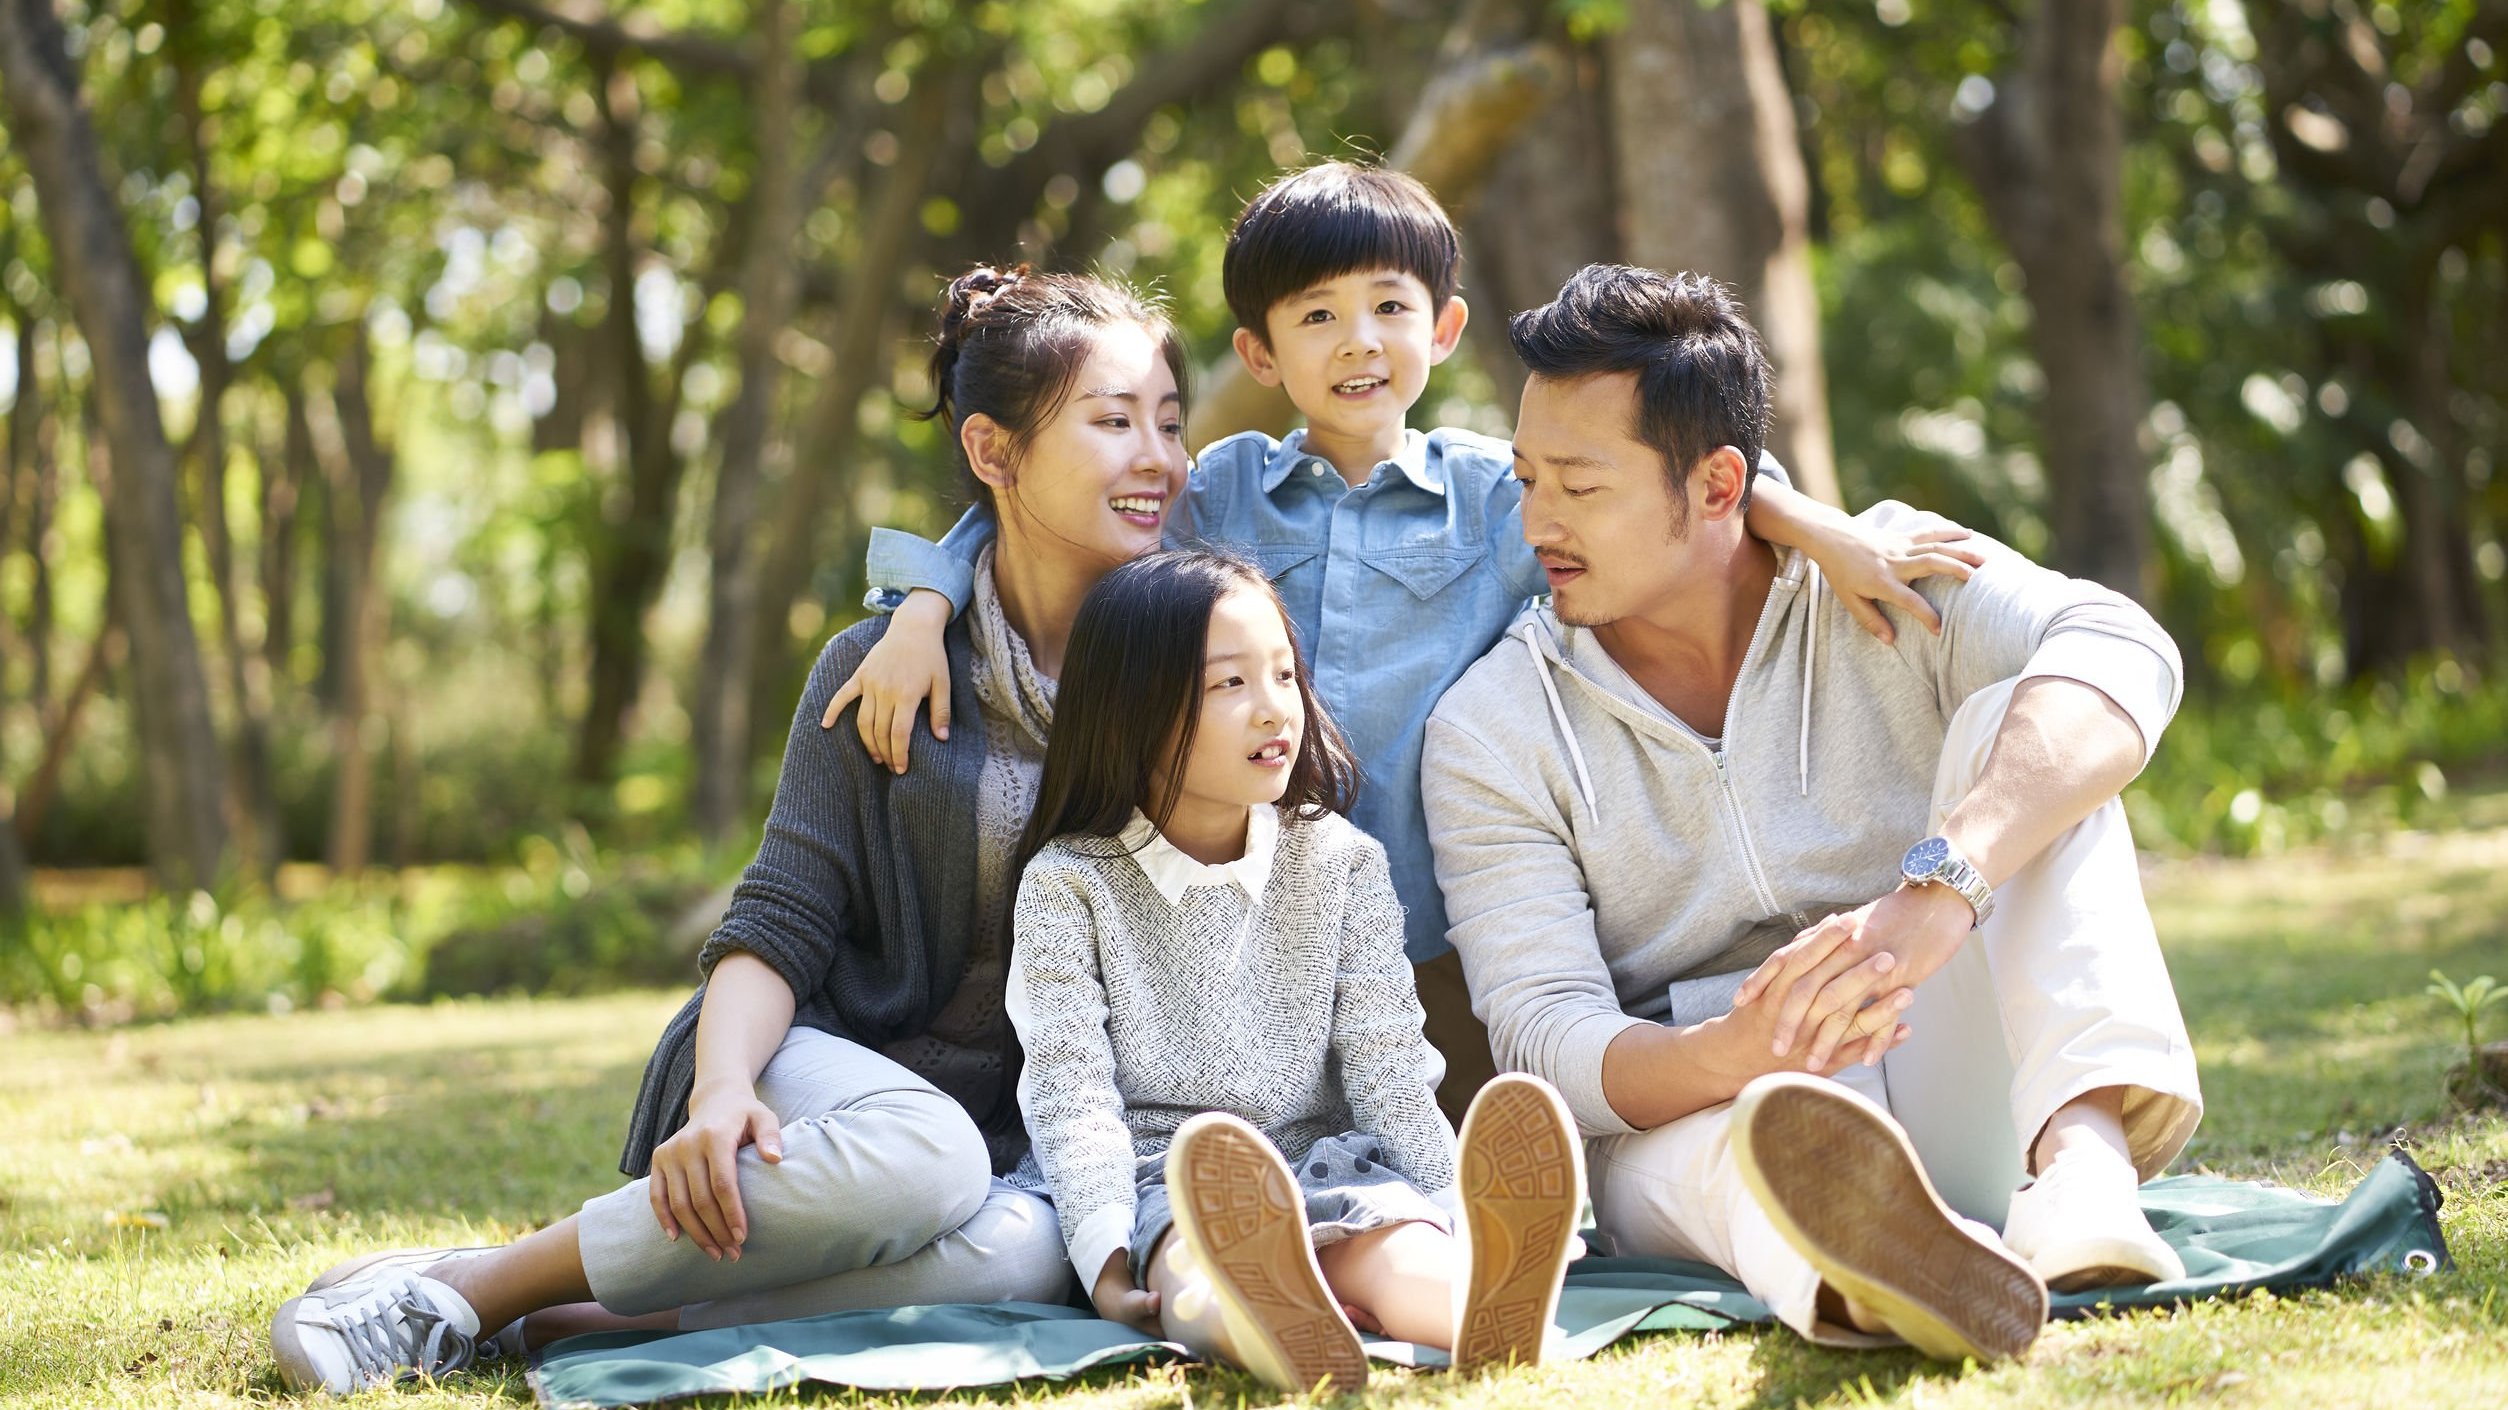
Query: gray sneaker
373,1331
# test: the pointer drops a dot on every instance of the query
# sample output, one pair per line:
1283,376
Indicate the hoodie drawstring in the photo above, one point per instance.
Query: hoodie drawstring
1558,712
1811,650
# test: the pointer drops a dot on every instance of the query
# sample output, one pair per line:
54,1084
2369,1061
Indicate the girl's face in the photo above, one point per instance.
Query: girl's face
1098,477
1252,720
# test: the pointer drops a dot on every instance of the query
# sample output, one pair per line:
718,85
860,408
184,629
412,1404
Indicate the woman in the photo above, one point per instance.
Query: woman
847,1074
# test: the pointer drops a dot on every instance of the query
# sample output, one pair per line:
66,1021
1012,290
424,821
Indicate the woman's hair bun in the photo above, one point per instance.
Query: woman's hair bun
970,292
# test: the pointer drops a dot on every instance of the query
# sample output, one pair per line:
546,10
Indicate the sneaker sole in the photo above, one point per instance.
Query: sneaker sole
2092,1264
1844,1187
1235,1201
1523,1179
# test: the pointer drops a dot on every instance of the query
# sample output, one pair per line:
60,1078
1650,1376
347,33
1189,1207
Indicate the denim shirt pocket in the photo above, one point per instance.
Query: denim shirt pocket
1276,560
1424,571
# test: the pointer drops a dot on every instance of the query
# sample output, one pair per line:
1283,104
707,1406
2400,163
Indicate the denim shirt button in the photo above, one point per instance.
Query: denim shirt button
1314,467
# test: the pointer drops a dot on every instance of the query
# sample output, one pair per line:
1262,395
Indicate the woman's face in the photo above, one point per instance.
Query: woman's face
1098,477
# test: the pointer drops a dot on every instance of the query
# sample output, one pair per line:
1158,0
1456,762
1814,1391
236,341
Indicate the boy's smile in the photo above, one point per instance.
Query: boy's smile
1354,353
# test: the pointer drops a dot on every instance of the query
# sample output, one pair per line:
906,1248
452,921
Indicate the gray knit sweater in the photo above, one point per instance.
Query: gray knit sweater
1147,987
862,895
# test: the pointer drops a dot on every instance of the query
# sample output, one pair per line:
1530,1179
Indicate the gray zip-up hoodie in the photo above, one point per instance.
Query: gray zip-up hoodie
1604,866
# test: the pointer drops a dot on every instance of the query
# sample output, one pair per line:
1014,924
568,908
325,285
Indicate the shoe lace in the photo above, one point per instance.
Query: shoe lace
396,1330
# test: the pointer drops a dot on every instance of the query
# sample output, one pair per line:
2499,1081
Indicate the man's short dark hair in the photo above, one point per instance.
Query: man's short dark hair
1331,219
1702,375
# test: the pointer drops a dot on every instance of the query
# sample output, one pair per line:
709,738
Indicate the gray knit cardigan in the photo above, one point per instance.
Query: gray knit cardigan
862,895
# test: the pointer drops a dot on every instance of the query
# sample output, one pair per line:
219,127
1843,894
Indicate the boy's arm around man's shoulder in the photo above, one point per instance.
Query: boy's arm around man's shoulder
2015,619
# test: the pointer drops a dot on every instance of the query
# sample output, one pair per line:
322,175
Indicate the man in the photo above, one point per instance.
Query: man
1806,924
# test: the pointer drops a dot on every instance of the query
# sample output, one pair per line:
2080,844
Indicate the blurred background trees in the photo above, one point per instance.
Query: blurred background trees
438,424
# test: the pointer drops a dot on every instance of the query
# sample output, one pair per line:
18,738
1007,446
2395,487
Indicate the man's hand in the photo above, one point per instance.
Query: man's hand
1745,1039
1820,983
904,668
695,1180
1117,1299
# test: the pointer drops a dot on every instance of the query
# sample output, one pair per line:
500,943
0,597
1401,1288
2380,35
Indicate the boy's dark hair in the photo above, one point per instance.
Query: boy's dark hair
1131,696
1702,375
1331,219
1011,342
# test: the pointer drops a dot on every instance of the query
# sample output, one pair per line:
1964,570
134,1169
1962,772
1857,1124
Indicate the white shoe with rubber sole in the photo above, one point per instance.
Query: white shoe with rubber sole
1842,1184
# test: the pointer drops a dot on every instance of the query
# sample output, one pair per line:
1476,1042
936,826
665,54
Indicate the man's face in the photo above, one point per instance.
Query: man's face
1598,509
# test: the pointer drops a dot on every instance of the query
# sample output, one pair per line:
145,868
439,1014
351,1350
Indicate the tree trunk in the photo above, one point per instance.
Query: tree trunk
255,791
39,515
867,310
30,464
362,478
2431,480
2047,158
720,698
14,485
97,270
1710,173
1549,210
632,558
284,478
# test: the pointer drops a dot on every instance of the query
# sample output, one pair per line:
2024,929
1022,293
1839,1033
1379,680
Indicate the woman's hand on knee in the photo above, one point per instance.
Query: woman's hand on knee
695,1184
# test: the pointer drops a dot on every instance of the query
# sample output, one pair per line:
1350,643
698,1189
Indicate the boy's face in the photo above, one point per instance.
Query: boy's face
1354,351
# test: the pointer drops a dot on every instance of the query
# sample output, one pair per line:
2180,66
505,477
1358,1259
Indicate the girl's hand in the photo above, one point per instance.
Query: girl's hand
1118,1300
1868,569
908,666
695,1181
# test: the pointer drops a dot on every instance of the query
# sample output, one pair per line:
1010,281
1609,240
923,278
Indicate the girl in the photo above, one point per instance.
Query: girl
1209,973
821,1126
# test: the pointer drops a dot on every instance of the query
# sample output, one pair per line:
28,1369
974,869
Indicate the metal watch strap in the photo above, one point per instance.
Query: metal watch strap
1956,872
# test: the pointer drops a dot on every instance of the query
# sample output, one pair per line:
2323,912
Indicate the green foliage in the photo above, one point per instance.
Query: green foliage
2264,769
2468,1001
566,917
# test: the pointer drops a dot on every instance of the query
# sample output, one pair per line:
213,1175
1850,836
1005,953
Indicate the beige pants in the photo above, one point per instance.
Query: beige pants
2062,993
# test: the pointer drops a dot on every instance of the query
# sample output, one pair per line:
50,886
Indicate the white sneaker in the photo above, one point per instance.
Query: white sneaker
1239,1213
508,1341
372,1332
2080,1227
1522,1182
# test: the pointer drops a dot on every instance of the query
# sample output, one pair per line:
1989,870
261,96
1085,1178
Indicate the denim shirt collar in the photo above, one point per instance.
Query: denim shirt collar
1412,460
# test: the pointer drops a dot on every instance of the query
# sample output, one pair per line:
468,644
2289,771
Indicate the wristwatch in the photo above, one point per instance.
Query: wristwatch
1936,860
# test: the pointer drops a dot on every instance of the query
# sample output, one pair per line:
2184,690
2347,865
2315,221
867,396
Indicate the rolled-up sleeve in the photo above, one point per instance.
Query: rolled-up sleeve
1518,913
2015,620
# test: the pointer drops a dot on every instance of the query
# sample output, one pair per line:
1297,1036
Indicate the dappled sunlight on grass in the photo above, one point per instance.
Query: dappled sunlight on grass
271,1147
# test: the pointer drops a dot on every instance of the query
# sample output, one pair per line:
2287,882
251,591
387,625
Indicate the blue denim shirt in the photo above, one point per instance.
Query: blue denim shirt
1394,587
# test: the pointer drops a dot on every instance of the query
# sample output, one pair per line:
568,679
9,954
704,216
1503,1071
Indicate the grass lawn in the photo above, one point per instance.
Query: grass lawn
163,1188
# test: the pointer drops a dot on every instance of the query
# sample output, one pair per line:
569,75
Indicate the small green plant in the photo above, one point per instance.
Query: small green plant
2473,1083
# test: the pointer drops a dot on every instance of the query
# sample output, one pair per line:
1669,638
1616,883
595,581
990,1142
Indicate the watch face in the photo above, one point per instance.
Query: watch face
1925,858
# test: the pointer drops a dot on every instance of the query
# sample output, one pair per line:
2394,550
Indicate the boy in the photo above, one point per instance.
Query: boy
1400,554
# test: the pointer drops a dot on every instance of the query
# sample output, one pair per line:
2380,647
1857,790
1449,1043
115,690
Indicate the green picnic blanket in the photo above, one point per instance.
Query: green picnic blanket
2235,1237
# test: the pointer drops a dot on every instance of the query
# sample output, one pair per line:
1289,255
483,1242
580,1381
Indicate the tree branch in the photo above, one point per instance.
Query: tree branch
689,53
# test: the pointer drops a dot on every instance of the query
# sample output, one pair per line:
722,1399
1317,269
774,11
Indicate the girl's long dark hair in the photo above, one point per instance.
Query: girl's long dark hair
1132,682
